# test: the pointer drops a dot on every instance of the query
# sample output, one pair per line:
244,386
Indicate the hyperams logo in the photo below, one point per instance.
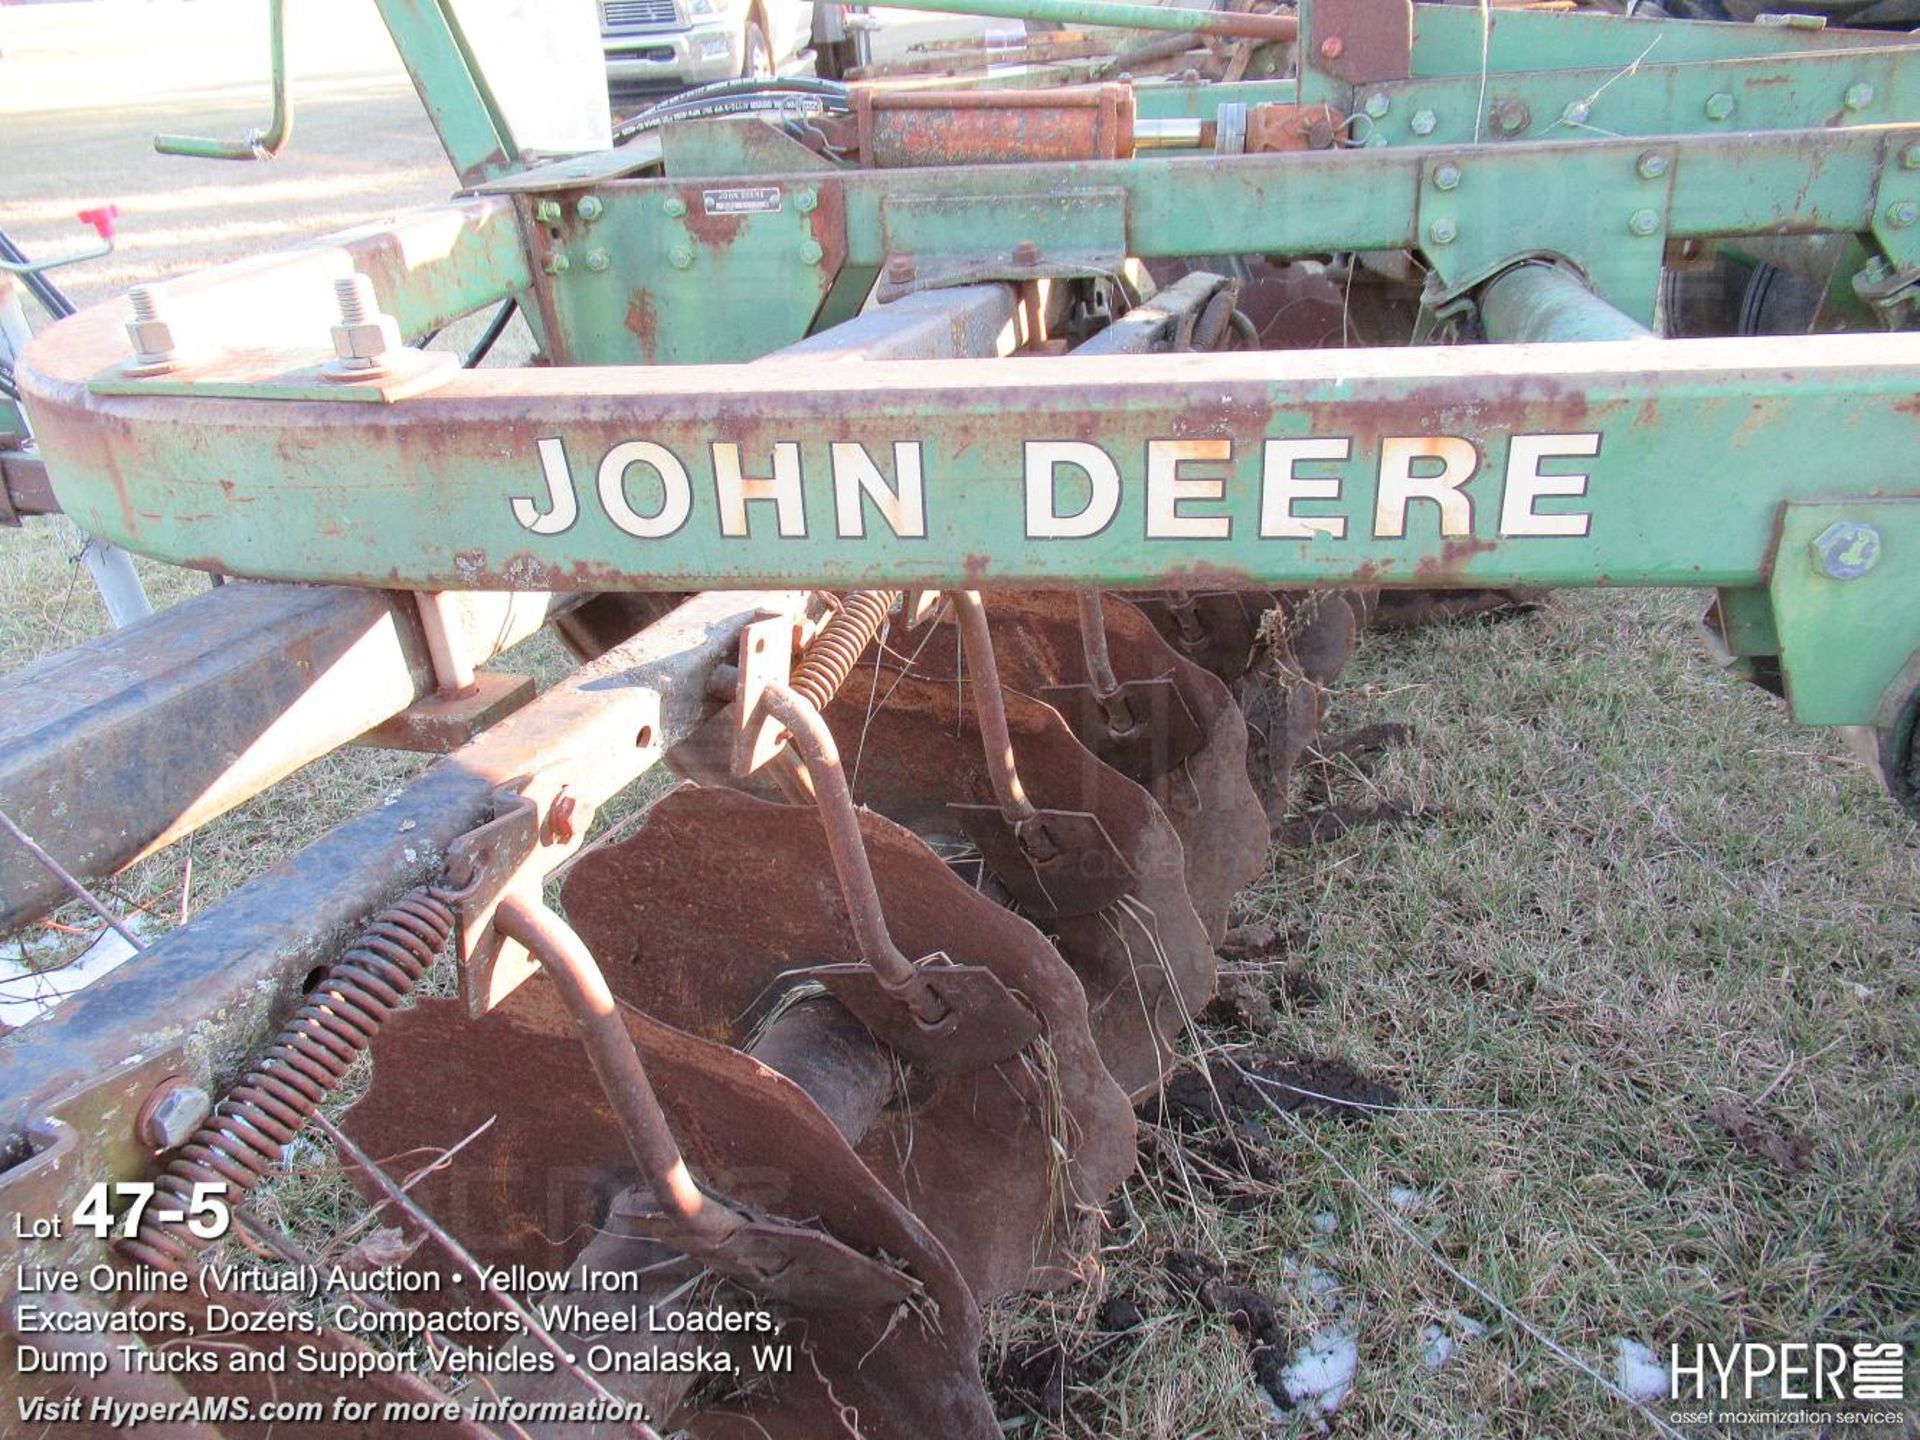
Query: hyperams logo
1821,1384
1073,489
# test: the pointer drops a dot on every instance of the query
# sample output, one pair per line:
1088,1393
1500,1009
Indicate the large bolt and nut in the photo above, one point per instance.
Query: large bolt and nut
1443,232
1903,213
590,208
1719,105
1651,165
171,1115
365,335
1446,176
1859,96
1847,549
1423,122
149,332
1643,222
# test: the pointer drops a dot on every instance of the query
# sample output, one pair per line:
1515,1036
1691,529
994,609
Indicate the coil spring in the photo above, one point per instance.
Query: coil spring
244,1136
840,644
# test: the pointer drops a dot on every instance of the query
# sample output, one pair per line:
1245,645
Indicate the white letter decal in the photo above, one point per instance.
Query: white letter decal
1167,488
1525,484
1399,485
782,487
1043,458
1280,487
903,508
676,497
563,506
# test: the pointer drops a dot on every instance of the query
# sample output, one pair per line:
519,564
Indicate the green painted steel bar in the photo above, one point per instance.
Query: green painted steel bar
628,478
1117,14
473,129
1447,40
258,144
1544,303
677,289
1853,86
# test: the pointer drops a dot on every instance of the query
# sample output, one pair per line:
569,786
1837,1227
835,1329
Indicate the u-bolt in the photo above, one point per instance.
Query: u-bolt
583,989
813,741
1093,643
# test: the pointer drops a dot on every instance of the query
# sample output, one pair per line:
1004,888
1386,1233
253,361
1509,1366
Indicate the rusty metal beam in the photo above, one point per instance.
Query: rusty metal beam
116,748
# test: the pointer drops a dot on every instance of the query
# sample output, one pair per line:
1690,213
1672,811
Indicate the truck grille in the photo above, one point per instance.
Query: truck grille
638,14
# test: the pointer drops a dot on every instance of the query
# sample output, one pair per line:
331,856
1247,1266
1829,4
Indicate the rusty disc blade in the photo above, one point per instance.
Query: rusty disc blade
710,914
1037,643
912,749
536,1185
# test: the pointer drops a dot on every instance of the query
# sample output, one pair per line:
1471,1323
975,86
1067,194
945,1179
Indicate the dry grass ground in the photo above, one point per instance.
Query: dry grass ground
1634,898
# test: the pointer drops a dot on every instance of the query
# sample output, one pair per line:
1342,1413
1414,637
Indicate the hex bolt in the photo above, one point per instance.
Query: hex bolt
590,208
1903,213
365,336
171,1115
1847,549
1026,253
1510,117
1332,48
674,206
556,263
1719,105
811,253
1859,96
548,212
1446,176
1423,122
599,260
900,269
1576,113
1910,158
1378,104
680,257
149,332
1442,232
1643,222
807,201
1651,165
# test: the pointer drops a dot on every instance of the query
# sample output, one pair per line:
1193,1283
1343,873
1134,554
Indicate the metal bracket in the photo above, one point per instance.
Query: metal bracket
985,1023
1163,733
1055,863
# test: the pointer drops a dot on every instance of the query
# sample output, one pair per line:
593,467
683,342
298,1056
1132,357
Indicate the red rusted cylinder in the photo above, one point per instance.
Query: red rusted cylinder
899,128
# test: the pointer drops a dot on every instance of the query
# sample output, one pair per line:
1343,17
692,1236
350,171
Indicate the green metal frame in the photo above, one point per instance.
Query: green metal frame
633,463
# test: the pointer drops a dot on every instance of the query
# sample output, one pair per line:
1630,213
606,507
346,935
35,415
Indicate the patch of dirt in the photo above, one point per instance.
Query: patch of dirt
1035,1377
1223,1095
1241,1002
1753,1133
1192,1276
